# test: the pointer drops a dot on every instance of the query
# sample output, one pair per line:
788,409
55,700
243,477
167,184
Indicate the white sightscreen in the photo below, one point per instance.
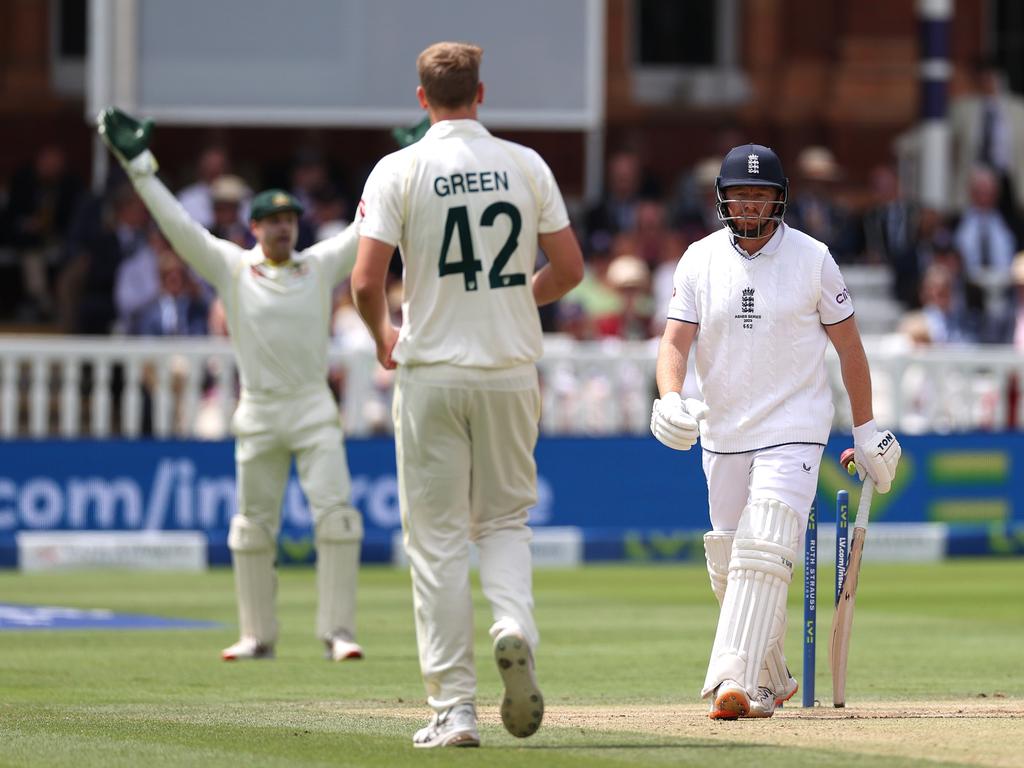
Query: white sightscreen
343,62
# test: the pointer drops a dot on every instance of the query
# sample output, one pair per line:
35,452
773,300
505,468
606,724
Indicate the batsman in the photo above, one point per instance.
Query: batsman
278,305
759,301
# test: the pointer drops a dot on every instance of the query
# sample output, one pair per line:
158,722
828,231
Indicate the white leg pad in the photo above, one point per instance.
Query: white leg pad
760,570
252,551
718,552
774,672
338,535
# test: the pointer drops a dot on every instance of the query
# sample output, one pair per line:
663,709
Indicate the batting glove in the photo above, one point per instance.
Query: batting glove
672,424
876,454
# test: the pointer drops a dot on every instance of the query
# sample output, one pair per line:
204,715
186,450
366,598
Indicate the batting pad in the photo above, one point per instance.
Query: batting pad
338,535
252,551
760,570
774,672
718,553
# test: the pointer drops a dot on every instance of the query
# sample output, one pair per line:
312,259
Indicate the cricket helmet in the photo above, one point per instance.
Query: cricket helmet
751,165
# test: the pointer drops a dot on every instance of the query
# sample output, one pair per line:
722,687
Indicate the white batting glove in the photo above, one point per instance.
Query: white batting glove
672,424
877,454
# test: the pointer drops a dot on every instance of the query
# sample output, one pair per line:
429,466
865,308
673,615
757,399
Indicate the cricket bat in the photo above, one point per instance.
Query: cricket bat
842,619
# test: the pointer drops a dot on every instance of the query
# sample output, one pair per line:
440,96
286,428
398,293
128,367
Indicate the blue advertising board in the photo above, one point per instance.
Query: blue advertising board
632,497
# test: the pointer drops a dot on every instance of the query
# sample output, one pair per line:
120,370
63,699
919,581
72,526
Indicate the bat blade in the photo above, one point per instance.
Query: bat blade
842,620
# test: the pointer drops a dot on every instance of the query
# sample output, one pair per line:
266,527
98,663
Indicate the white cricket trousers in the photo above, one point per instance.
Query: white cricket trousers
269,430
464,441
786,473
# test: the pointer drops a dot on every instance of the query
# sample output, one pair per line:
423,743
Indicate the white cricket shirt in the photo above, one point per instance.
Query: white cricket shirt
760,347
465,209
278,316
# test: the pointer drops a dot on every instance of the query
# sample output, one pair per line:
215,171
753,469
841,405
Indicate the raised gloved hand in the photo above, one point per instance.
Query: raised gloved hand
674,421
127,137
877,453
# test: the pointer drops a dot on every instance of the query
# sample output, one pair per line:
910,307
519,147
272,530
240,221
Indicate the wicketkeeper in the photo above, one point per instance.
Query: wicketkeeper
278,306
766,300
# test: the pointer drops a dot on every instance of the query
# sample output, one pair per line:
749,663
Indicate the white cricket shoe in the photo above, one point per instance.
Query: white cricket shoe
342,648
454,727
522,704
767,700
247,648
791,688
730,701
763,704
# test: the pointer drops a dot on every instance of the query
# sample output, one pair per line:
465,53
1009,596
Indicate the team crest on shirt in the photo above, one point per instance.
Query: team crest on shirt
283,275
747,313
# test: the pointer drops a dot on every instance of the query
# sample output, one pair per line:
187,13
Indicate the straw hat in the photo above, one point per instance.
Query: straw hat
628,272
818,163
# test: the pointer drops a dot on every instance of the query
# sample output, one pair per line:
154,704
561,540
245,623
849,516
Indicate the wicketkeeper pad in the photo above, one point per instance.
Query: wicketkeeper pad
338,535
252,550
760,570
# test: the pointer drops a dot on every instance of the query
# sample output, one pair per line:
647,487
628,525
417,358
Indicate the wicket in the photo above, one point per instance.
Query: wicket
810,632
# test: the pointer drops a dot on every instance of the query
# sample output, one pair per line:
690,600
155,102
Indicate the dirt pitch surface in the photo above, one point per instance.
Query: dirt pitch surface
978,732
984,732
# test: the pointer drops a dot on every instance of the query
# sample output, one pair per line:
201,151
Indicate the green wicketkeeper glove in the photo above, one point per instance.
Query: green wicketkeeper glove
126,136
407,136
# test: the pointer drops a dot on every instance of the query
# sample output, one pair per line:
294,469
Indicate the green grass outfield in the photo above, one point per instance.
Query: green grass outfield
936,676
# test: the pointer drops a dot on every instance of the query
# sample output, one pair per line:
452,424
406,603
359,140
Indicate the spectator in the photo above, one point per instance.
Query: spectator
987,246
327,214
91,275
650,239
595,298
617,209
987,127
946,323
196,197
814,210
42,201
137,284
230,196
695,209
178,309
889,230
630,277
1017,271
308,177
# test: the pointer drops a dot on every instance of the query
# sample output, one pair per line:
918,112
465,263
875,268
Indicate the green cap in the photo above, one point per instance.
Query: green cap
273,201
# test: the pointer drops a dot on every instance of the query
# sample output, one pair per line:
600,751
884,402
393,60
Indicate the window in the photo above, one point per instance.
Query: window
1008,38
67,46
685,52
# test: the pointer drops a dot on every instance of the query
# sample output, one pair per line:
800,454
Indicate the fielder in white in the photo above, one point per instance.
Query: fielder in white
467,211
278,306
761,300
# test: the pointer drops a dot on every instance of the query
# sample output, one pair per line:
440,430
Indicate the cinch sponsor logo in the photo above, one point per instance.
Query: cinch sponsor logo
843,297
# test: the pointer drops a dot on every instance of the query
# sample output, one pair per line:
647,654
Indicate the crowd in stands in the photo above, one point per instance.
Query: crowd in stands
88,264
82,263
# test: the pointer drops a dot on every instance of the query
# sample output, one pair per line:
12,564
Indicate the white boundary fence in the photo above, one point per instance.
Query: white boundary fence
62,386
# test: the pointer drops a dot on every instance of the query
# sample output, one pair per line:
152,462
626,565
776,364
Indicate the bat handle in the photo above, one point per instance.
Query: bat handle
864,507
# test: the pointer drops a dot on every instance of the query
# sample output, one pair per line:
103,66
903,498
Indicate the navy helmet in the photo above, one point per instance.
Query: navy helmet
752,165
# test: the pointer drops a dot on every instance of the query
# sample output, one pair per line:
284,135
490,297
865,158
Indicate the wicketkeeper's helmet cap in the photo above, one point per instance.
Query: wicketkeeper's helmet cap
271,201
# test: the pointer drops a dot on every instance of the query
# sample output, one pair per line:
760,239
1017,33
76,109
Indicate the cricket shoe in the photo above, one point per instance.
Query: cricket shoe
791,688
247,648
730,701
522,704
767,701
342,648
762,704
454,727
